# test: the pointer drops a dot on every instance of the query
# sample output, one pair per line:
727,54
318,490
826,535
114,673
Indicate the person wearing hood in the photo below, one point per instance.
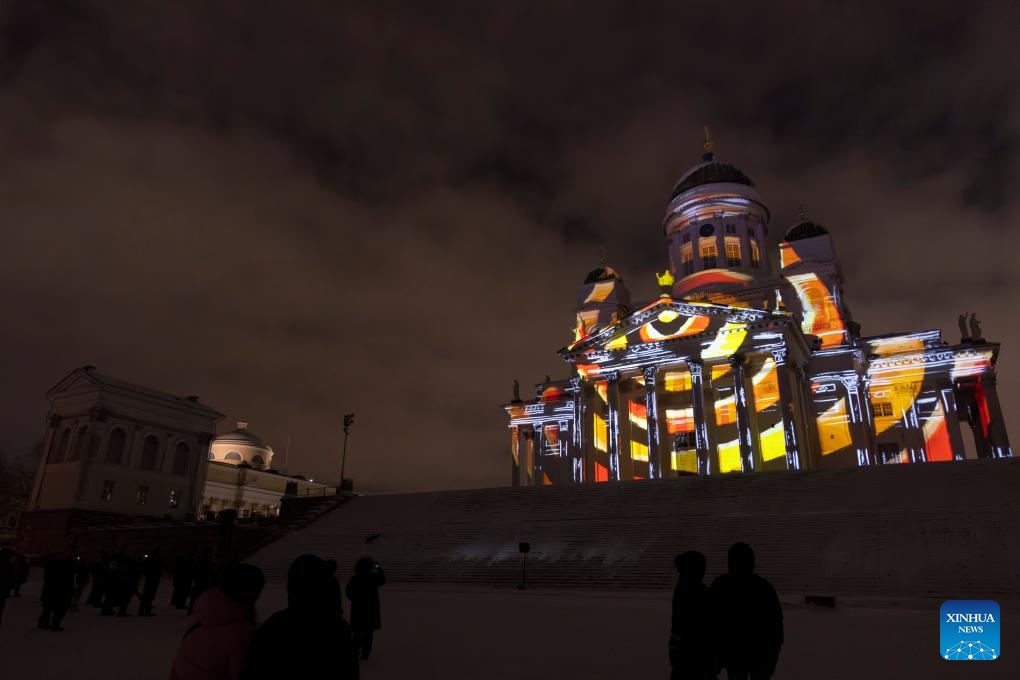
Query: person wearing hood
308,639
749,618
214,646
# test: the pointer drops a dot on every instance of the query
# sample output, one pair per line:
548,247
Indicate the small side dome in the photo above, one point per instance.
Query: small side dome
603,273
805,229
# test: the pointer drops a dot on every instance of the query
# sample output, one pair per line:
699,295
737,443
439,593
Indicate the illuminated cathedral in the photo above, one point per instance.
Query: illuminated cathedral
738,368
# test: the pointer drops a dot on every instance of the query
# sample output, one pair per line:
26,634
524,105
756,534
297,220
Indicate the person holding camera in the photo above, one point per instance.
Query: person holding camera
363,592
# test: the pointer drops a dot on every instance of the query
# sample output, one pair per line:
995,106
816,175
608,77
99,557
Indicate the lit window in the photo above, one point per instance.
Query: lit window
107,490
755,254
232,455
883,408
142,497
733,258
731,229
709,253
175,498
687,258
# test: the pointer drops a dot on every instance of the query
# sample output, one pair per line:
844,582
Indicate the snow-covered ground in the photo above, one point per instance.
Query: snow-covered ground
461,633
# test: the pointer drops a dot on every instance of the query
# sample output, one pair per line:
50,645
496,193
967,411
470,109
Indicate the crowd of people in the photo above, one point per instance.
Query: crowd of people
224,640
736,624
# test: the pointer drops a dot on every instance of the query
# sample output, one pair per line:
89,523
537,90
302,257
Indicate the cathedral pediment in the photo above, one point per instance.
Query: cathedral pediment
667,319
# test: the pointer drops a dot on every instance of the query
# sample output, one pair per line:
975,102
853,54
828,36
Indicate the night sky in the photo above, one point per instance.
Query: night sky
297,210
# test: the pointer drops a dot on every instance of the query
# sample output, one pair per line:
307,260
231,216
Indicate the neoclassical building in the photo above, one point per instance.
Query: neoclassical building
737,367
114,447
241,477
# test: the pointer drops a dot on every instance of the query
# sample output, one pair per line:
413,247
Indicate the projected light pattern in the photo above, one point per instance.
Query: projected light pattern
821,315
735,368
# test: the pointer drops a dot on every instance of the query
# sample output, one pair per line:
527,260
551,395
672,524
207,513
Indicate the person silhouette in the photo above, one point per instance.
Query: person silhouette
691,648
363,592
748,618
308,639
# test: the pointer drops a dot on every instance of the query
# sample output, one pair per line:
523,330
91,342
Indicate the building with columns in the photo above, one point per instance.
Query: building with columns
737,367
114,449
241,477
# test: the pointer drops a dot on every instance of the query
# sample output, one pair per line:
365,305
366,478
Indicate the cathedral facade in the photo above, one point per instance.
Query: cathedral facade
738,368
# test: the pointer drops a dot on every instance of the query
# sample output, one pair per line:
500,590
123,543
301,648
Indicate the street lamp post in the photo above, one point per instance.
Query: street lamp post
348,421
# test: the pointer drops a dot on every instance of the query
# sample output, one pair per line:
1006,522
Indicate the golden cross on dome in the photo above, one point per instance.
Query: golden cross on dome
708,140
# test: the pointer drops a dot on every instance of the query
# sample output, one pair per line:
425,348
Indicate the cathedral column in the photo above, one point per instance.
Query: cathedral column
870,456
860,421
793,461
577,433
948,398
997,438
613,434
528,458
539,445
743,419
515,453
695,366
652,424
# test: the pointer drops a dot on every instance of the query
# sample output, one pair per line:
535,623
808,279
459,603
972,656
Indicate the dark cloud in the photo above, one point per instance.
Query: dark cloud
302,210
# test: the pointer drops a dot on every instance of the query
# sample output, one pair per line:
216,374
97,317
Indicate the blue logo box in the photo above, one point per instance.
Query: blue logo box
969,630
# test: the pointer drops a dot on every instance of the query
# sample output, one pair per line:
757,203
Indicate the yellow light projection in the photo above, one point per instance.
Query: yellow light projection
666,331
679,420
602,389
821,317
638,451
727,341
729,456
618,343
788,255
773,442
833,428
677,381
600,433
685,461
766,386
894,387
725,411
600,292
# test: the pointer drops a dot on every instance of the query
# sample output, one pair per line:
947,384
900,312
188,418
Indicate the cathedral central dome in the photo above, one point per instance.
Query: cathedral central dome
710,171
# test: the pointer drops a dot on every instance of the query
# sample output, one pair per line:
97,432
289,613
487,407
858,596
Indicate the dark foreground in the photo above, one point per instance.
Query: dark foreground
538,635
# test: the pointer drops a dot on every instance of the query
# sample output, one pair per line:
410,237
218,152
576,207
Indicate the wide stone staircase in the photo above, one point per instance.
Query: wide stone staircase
945,530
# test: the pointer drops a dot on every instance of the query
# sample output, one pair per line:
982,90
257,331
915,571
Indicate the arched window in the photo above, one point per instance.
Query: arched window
181,459
258,462
115,447
94,441
59,451
80,444
150,450
232,455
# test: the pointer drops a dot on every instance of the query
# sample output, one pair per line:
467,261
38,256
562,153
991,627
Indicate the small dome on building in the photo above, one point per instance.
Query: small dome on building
603,273
710,171
241,446
805,229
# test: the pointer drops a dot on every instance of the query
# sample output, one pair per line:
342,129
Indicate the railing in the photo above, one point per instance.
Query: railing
324,491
